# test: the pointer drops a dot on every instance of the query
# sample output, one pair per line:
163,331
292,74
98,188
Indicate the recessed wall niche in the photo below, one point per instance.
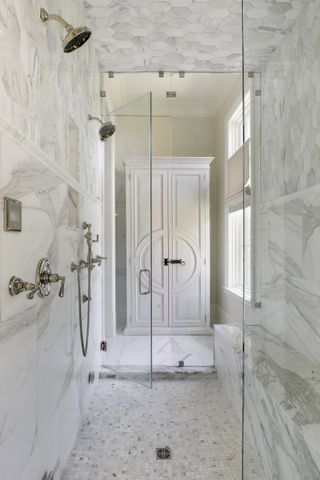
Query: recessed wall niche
73,149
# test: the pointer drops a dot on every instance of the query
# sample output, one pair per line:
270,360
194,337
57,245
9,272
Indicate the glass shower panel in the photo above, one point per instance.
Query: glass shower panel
226,250
132,343
281,331
252,456
181,170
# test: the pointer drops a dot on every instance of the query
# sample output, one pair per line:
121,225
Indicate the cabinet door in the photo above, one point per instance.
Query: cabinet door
138,233
188,228
159,248
138,311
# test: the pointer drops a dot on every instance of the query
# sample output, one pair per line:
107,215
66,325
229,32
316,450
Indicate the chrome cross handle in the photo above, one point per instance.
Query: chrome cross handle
42,283
17,285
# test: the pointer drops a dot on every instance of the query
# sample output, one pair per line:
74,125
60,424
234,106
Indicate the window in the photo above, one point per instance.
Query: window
235,133
235,251
235,223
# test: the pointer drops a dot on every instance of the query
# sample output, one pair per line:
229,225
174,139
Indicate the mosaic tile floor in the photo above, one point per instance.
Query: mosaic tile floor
126,422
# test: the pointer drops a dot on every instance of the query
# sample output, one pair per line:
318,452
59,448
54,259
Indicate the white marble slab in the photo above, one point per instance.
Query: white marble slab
194,350
281,400
290,109
39,338
290,280
43,374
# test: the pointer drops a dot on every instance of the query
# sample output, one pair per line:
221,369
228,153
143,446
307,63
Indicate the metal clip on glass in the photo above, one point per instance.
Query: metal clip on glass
42,284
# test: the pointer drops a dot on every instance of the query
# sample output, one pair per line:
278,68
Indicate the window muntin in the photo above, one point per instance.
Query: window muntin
238,152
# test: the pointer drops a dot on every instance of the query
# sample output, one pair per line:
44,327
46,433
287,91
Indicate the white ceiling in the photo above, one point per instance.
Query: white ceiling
198,94
190,35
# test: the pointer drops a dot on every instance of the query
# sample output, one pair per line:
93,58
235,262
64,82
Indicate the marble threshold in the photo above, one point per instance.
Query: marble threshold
167,350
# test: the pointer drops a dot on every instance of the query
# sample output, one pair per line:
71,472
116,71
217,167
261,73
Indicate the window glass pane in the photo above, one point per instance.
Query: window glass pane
235,251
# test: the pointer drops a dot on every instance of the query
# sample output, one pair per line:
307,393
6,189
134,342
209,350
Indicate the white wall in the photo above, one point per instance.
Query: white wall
182,136
228,305
42,372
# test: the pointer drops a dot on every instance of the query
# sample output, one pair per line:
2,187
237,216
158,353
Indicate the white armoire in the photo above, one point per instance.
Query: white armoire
180,245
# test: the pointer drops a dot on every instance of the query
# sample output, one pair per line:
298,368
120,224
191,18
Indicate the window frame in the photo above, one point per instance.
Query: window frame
234,142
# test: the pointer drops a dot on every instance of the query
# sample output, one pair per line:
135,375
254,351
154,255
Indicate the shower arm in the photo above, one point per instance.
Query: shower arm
90,117
45,17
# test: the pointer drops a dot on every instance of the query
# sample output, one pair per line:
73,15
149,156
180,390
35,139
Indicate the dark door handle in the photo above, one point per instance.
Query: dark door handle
176,261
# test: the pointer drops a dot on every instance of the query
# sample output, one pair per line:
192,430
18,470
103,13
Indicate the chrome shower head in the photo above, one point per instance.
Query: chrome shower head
75,37
106,130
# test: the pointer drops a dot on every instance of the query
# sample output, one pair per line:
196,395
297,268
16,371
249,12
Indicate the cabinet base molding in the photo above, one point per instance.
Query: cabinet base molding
169,331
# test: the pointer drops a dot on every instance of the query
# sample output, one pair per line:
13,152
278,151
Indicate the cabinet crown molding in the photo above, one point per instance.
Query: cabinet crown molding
168,161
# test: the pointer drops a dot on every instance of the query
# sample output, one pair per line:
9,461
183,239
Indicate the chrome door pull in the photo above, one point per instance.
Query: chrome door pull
146,270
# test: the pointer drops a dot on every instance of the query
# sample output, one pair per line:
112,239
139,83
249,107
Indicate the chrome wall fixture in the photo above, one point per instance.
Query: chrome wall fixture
106,130
12,215
75,37
42,283
89,264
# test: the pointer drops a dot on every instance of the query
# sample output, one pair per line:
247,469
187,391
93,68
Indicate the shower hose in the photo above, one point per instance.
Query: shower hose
84,343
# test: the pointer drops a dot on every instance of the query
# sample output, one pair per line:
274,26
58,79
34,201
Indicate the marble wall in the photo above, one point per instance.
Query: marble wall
43,374
281,401
282,356
290,187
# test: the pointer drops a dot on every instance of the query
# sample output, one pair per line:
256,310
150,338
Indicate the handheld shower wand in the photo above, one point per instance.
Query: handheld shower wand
90,264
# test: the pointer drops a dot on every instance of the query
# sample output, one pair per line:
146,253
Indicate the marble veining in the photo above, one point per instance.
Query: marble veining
291,111
290,281
44,376
281,396
50,372
283,357
39,84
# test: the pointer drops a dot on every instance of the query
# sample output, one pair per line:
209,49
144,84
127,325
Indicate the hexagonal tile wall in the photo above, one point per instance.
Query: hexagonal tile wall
189,35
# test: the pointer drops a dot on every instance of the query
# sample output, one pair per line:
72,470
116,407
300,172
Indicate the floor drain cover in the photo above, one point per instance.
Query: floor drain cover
163,453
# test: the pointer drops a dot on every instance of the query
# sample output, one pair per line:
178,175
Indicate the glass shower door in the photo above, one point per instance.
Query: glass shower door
131,345
254,365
